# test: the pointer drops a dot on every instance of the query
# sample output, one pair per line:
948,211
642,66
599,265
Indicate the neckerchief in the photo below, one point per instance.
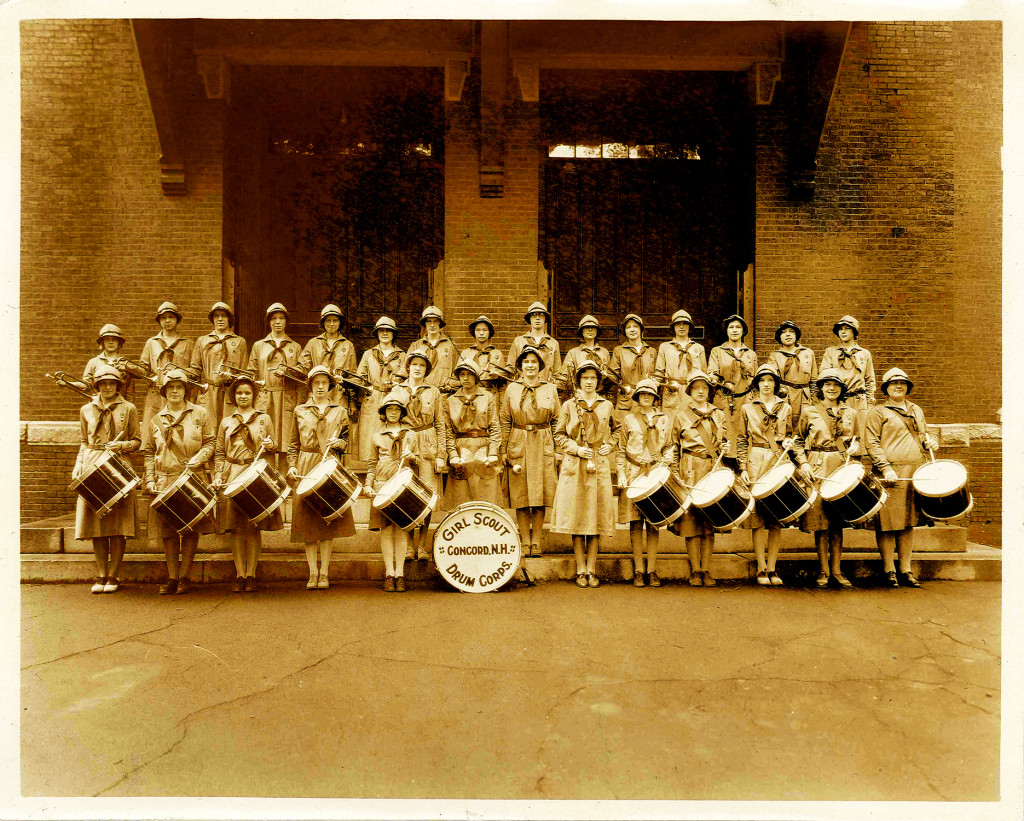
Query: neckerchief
848,354
277,350
386,365
651,437
166,354
103,424
174,434
704,425
737,355
467,413
415,403
791,361
910,420
529,392
770,422
242,429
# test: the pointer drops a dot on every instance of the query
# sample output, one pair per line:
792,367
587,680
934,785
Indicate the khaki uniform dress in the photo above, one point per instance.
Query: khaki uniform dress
800,376
631,365
102,360
858,370
426,422
171,441
238,439
210,352
482,357
584,505
527,419
700,435
279,396
385,461
307,444
758,446
157,355
674,363
340,353
444,355
894,439
736,365
380,370
473,434
642,441
99,426
574,358
549,351
823,435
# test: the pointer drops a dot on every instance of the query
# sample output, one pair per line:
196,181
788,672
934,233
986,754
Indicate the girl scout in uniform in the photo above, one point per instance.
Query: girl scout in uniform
700,434
110,340
181,437
796,366
319,426
219,347
161,353
897,440
379,366
481,353
108,423
242,433
731,367
332,350
583,504
588,330
280,395
762,436
856,366
439,350
528,416
677,358
537,337
644,442
632,361
473,437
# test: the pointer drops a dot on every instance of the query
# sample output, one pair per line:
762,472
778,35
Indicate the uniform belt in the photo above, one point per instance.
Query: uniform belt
529,427
472,433
310,450
423,427
248,461
857,392
824,450
697,454
633,461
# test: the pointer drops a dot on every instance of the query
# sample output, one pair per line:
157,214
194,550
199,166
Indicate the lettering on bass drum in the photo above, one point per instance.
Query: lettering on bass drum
477,547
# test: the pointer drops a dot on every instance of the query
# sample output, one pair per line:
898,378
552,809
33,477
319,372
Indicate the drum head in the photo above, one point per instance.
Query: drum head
393,487
773,480
842,481
242,479
317,475
940,478
643,484
712,487
477,547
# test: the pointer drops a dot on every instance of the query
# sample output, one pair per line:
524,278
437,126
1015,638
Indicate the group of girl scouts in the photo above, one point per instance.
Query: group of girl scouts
532,432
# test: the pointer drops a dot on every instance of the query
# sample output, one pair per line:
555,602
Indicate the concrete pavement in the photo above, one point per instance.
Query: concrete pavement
553,692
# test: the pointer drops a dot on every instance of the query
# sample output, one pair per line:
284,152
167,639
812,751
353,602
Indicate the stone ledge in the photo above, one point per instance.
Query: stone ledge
53,433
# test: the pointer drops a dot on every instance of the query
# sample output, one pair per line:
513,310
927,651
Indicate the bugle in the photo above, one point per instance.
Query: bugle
237,373
288,372
352,381
67,381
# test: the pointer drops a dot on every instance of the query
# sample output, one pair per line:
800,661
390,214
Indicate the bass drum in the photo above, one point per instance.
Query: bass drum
405,499
659,495
782,494
853,493
106,482
185,502
722,499
258,491
477,547
942,492
330,489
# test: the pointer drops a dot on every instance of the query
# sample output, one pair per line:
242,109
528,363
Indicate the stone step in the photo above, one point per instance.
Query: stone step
977,563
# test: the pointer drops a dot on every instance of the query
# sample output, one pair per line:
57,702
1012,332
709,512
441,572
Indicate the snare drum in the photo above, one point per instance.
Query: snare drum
405,499
782,495
853,493
258,491
106,482
659,495
330,489
185,502
723,499
941,488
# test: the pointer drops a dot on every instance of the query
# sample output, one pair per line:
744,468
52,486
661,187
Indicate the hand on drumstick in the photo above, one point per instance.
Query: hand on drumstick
929,442
491,461
745,477
456,461
622,483
438,465
335,442
889,476
151,487
292,474
267,442
194,462
806,472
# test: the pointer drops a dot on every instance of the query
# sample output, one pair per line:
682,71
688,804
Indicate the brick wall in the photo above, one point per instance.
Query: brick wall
45,475
100,241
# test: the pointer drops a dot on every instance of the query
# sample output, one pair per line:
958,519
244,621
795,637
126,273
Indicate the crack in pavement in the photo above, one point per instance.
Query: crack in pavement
135,769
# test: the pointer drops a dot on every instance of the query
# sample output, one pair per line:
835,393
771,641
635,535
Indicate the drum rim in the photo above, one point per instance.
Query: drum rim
231,488
319,483
966,511
650,474
856,467
393,495
737,521
720,496
802,510
927,465
787,468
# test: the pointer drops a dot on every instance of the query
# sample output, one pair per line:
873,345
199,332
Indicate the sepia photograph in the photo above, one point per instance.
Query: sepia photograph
510,414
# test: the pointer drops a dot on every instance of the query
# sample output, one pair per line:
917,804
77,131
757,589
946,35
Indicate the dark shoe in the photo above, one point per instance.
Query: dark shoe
822,580
239,585
581,579
98,584
709,580
891,579
592,580
654,581
773,577
170,587
910,580
842,581
696,579
399,584
184,585
389,584
638,579
762,577
250,584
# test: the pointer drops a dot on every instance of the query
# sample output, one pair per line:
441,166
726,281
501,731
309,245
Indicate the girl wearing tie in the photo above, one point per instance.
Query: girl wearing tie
632,361
583,503
162,352
438,348
796,366
856,366
537,337
219,347
110,340
332,350
589,348
378,366
319,428
473,437
731,367
108,423
677,358
644,443
280,395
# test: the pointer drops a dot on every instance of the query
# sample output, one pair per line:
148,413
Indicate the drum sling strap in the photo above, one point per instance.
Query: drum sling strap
704,430
743,373
833,426
910,422
175,437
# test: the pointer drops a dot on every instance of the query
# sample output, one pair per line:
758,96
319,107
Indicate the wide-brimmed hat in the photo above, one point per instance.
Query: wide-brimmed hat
736,318
528,350
536,308
385,323
894,374
636,318
320,370
432,312
277,307
392,398
587,365
771,371
647,386
330,310
834,375
173,375
105,373
467,365
109,330
681,316
699,376
588,321
789,323
167,308
420,354
243,380
847,320
481,319
221,306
